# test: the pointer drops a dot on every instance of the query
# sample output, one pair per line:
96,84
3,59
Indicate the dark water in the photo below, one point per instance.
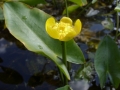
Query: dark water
21,69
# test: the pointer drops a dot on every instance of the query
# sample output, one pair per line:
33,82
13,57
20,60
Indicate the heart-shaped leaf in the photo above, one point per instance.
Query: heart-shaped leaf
107,62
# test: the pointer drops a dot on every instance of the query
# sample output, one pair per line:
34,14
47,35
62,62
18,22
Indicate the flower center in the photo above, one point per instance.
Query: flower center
64,29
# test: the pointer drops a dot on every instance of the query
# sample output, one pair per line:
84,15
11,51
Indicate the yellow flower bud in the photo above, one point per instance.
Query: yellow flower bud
63,30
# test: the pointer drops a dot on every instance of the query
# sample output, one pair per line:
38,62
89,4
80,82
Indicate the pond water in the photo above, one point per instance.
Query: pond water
18,65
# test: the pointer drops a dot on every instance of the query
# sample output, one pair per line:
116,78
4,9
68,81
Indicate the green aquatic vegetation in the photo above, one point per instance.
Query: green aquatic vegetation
78,4
27,24
107,62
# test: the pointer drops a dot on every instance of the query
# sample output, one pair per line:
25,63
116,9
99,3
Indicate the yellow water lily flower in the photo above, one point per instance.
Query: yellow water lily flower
63,30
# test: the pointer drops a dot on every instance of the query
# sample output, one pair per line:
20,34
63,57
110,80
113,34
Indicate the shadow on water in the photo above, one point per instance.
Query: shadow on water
10,76
49,77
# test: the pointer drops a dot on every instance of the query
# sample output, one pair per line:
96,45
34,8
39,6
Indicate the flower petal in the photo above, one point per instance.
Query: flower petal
77,26
66,20
50,22
53,32
69,36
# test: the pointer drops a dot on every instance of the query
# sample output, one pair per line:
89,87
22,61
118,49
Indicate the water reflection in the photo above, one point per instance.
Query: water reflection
1,60
10,76
50,77
5,36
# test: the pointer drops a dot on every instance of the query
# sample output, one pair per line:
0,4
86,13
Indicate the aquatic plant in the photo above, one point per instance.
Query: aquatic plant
34,28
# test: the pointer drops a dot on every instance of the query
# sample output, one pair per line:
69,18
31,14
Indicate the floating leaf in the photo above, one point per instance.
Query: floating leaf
28,26
107,62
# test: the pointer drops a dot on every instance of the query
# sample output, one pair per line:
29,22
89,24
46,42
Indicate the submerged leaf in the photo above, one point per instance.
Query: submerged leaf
107,62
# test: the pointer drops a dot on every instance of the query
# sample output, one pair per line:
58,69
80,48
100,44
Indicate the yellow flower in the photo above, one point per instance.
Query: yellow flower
63,30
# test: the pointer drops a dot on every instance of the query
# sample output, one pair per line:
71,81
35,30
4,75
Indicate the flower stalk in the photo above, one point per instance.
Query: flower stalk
63,43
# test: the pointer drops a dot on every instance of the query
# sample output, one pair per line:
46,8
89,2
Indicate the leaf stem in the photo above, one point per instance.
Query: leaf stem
67,14
117,31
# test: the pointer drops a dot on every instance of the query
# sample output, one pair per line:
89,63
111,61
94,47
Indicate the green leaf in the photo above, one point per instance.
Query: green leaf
107,62
67,87
33,2
71,9
79,2
117,8
28,26
30,2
